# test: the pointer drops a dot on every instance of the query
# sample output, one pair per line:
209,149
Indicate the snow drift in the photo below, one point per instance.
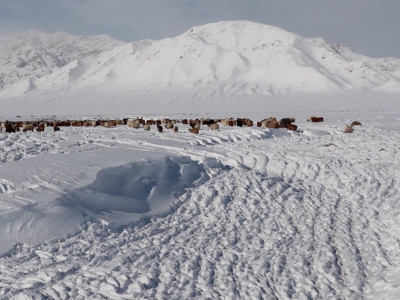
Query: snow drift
138,187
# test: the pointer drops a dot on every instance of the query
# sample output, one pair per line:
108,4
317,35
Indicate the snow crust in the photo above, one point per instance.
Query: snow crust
236,213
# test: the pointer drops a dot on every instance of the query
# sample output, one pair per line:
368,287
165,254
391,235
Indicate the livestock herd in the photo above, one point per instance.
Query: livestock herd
194,124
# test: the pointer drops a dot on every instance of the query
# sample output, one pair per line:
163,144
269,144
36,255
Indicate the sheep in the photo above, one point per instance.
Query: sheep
355,123
225,121
159,128
27,126
9,127
270,123
194,130
285,122
349,129
133,123
55,127
176,129
169,126
315,119
40,127
214,126
291,127
146,127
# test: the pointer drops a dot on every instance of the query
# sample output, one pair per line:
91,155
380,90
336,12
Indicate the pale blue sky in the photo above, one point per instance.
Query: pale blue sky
370,27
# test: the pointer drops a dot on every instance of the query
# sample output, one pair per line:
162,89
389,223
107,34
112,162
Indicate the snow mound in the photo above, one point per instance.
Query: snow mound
139,187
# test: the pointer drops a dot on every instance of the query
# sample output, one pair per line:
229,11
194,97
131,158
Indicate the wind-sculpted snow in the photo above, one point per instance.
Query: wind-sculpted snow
259,214
138,187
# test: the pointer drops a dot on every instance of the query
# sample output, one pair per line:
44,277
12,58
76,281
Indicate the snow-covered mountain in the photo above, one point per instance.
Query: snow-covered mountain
225,60
33,54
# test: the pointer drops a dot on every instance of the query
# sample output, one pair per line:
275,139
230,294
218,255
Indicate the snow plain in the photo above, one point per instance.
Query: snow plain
239,213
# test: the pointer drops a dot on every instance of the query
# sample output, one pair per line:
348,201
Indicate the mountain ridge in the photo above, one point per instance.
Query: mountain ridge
235,58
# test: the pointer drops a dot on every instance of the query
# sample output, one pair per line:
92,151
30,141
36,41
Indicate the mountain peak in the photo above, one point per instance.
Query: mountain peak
228,58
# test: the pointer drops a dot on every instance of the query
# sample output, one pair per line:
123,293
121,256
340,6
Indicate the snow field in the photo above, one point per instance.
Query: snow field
257,213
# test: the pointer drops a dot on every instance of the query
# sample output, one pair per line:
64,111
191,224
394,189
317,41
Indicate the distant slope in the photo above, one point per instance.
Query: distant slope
230,59
33,54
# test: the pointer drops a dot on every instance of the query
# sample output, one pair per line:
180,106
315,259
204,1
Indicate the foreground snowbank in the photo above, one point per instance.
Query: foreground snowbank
258,213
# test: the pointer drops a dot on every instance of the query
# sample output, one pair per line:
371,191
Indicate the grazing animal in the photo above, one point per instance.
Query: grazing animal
315,119
214,126
225,121
176,129
268,122
349,129
40,127
146,127
194,130
55,127
27,127
355,123
169,126
184,121
197,125
159,128
291,127
285,122
9,127
133,123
